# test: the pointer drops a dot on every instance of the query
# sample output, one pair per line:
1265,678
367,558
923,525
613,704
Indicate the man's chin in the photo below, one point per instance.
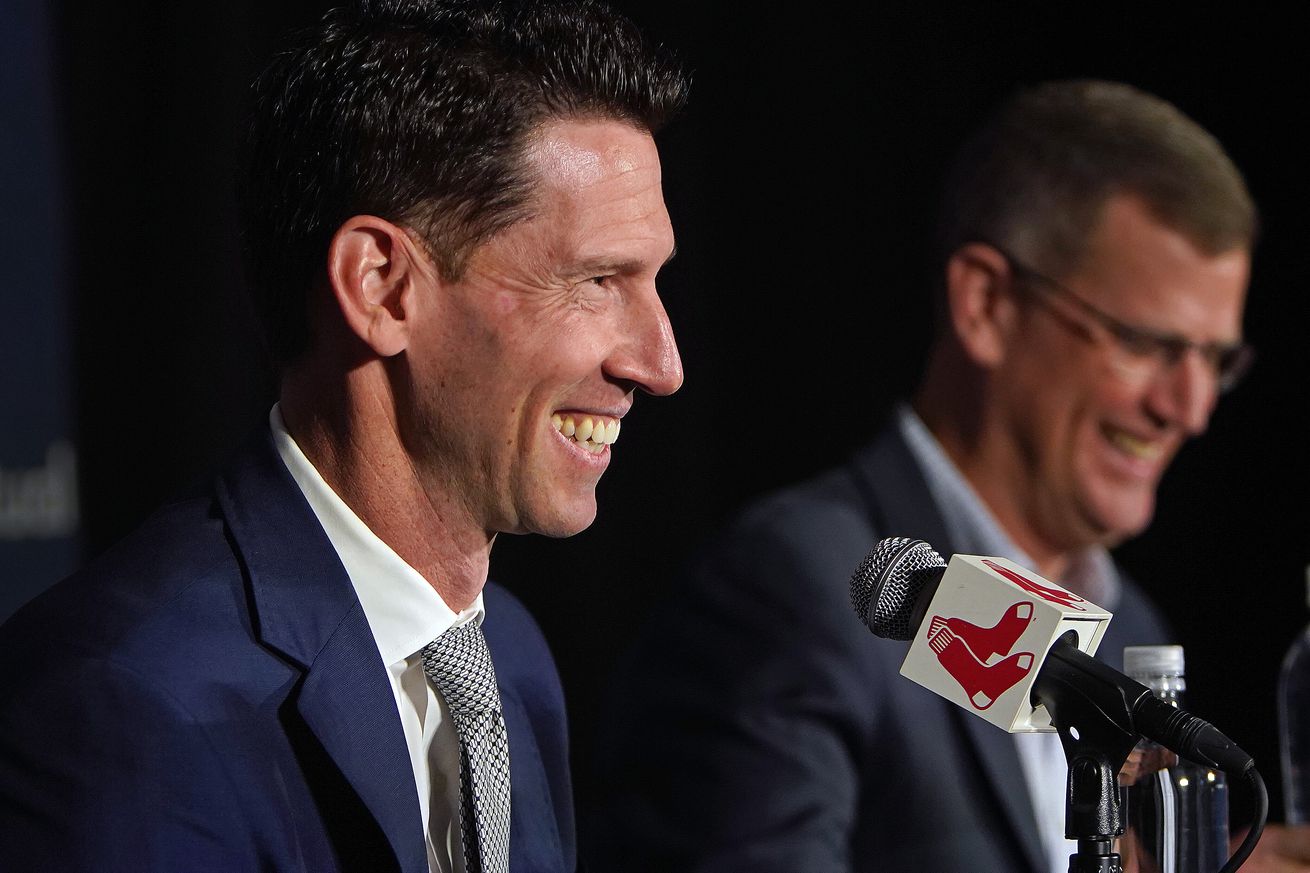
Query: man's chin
1121,521
558,524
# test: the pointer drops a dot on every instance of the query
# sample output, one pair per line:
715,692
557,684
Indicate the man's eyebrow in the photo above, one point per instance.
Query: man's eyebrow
607,266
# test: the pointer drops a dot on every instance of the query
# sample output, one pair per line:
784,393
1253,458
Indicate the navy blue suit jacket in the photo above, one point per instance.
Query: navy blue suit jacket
761,728
207,696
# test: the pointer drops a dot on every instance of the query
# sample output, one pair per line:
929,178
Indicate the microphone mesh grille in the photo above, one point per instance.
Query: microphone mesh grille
887,583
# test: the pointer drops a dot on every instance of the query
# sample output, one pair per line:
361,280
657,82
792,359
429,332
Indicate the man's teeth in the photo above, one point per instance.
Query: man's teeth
592,432
1135,447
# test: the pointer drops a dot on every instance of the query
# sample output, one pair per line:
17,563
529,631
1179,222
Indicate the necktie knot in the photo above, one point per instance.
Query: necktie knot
459,665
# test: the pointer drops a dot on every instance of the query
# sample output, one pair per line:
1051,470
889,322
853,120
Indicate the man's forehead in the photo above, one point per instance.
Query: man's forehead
1155,276
577,154
597,207
1129,224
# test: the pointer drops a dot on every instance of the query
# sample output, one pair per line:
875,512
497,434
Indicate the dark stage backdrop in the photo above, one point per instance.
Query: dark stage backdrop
801,183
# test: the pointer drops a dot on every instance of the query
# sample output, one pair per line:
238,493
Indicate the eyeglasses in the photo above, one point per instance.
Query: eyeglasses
1142,352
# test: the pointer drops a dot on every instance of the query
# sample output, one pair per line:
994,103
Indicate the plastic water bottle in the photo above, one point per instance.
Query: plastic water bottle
1177,811
1294,726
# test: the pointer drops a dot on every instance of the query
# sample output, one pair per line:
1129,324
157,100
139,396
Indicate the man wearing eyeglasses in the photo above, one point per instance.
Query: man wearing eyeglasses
1095,250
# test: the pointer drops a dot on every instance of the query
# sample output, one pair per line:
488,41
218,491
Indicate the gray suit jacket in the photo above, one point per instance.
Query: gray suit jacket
760,727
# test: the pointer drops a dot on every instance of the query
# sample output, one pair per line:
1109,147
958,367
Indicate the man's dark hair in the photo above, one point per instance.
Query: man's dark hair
421,112
1035,178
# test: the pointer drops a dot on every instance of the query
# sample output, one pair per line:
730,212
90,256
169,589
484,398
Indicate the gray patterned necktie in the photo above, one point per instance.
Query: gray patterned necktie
459,665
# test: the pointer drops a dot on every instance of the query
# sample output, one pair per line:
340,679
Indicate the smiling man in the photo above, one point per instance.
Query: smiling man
1094,254
454,219
1078,410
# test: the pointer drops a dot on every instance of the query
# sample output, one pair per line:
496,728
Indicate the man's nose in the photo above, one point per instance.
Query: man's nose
648,357
1185,393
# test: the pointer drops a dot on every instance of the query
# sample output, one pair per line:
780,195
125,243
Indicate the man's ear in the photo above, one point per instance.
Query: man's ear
374,269
982,309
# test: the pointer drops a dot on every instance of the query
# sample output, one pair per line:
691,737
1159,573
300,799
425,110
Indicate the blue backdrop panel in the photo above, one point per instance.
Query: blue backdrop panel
38,462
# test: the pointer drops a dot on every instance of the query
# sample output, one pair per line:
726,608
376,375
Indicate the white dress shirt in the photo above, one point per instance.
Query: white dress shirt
974,530
405,613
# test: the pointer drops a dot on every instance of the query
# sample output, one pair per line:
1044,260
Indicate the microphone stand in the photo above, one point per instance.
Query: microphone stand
1095,724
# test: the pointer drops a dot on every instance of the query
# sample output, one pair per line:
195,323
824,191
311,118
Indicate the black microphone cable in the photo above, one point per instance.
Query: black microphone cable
1257,827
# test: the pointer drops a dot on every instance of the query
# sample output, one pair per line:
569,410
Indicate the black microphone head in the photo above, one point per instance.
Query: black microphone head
886,586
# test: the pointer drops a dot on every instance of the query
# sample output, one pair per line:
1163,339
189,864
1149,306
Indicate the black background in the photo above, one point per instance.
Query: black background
801,183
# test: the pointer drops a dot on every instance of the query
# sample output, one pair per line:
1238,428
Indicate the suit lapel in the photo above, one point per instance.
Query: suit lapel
535,812
534,841
998,758
305,607
896,493
900,505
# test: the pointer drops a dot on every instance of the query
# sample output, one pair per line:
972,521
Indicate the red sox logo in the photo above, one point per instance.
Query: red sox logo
1054,595
979,658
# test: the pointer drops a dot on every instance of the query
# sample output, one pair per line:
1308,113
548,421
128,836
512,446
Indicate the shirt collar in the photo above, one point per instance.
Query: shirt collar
404,612
974,529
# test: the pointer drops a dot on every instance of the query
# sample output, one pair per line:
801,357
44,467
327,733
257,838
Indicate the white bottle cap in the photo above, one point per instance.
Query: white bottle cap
1146,661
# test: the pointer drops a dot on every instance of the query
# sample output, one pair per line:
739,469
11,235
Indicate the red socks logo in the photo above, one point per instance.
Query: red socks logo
1054,595
966,651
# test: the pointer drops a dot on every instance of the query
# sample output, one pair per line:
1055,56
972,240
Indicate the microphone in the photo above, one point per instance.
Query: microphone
1015,649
